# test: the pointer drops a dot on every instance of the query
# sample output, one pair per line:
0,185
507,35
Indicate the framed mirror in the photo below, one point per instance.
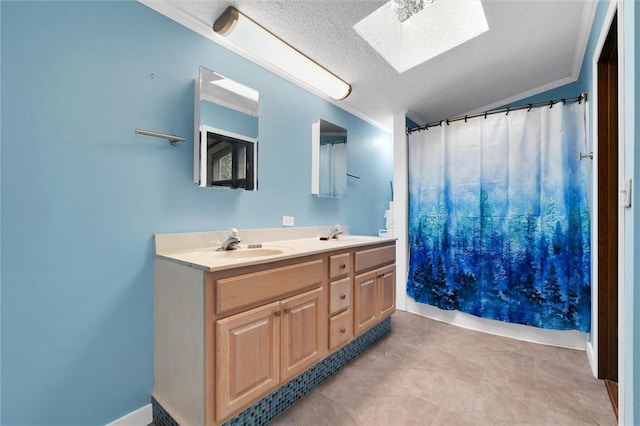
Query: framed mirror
328,160
225,152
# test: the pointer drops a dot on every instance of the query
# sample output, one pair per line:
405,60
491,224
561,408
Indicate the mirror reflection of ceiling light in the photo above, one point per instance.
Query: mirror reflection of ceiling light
237,88
259,43
432,28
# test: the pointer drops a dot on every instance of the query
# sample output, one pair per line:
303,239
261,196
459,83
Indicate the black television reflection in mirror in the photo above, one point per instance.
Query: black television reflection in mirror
230,162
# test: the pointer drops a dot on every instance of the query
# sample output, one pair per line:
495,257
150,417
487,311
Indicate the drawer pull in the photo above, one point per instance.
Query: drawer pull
343,266
276,313
343,330
287,310
343,296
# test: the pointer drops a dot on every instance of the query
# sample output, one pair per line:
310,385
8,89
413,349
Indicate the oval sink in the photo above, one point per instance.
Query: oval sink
244,252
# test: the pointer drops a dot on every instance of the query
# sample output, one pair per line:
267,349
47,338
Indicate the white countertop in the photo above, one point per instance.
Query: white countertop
207,258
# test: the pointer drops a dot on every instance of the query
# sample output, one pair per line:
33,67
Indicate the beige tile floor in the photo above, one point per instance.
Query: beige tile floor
430,373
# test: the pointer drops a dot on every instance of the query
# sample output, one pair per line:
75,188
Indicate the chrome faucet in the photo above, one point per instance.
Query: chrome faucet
232,241
335,231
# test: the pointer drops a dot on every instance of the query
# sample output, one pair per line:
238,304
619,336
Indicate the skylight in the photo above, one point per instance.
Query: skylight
407,33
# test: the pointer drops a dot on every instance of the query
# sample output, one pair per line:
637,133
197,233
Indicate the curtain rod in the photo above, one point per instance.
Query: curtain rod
550,104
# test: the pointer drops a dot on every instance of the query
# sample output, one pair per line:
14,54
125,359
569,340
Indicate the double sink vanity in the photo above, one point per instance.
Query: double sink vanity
242,334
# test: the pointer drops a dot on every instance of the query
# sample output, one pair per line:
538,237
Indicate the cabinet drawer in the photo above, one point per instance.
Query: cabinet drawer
339,295
340,329
339,265
250,289
366,259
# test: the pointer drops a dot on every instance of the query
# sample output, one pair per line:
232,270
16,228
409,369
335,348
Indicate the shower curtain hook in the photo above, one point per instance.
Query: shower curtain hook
447,121
564,101
550,104
530,106
465,118
507,111
485,115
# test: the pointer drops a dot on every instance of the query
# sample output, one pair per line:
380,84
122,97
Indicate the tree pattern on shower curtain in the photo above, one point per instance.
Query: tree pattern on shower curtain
499,218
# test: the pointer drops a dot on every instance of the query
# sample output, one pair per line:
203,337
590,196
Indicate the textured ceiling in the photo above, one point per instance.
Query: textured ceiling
531,45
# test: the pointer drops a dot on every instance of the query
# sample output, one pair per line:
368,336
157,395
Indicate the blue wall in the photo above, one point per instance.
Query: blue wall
228,119
82,195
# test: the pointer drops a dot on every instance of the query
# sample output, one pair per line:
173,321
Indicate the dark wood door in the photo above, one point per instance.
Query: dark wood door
608,203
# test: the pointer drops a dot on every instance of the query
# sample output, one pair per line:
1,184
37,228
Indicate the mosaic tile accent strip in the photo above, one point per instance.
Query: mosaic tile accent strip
278,401
160,416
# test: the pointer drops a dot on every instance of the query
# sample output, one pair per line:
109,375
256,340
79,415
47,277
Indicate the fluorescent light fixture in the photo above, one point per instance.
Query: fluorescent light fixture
256,41
430,29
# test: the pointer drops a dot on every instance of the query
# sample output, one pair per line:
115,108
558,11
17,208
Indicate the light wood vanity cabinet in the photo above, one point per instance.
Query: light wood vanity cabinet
247,357
340,323
374,286
339,265
301,333
259,349
225,339
339,295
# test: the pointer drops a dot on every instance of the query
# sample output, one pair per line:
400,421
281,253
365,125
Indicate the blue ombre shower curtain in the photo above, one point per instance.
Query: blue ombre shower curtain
499,217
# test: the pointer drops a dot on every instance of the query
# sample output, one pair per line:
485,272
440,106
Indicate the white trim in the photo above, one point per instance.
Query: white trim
140,417
561,338
622,227
401,206
206,30
591,357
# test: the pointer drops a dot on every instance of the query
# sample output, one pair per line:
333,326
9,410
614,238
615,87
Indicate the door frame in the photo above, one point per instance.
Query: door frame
592,346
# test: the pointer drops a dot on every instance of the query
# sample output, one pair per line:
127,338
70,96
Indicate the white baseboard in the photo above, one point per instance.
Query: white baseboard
565,339
592,359
140,417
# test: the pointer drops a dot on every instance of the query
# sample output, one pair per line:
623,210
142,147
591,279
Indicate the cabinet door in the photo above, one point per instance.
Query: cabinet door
365,301
387,291
300,333
247,358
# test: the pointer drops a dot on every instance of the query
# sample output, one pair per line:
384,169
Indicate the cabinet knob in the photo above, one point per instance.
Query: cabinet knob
343,296
287,310
343,266
276,313
343,330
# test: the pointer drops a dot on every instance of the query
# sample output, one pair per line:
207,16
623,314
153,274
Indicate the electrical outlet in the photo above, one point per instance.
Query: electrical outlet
287,220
